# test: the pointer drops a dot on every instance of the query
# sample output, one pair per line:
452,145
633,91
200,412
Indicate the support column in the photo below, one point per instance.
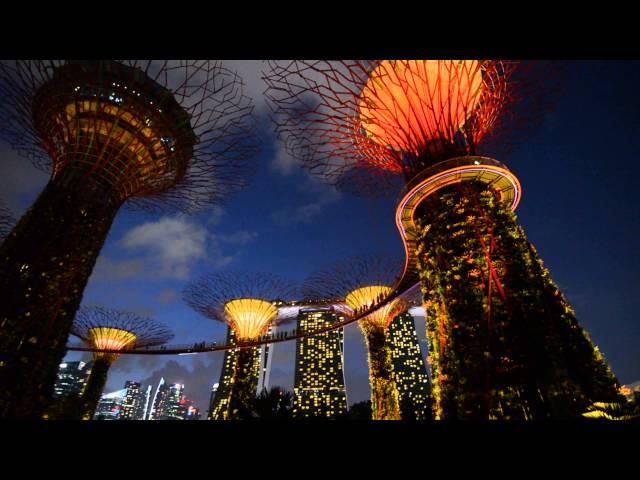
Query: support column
503,341
243,390
45,264
384,394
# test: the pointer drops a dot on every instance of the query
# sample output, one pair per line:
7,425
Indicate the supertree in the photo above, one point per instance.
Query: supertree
113,330
362,282
156,135
503,341
245,302
6,221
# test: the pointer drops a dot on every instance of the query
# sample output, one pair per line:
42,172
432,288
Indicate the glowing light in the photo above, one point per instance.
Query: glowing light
365,297
122,128
432,184
249,317
107,338
407,103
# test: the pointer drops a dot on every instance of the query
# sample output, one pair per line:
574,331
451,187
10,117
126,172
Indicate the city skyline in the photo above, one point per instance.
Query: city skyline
601,288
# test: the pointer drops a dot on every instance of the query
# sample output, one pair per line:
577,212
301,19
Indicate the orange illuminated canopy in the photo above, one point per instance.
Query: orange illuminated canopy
407,103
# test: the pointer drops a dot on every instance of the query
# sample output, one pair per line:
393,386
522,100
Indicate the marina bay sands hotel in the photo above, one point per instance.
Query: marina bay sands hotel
319,382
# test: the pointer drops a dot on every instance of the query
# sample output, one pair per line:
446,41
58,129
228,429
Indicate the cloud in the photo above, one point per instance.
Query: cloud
251,73
241,237
216,215
282,162
170,247
107,269
175,245
167,295
307,212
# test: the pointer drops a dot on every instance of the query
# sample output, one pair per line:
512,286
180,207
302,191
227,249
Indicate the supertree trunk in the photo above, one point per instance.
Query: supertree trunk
503,341
243,389
384,393
95,384
45,264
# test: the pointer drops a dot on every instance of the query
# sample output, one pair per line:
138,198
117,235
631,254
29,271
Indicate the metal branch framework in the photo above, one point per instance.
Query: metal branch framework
111,329
360,123
334,283
245,301
364,283
166,135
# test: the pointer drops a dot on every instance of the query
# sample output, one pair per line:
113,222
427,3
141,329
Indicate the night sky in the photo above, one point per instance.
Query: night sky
578,207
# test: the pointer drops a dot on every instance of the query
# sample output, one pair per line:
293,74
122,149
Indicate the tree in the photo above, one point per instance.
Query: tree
273,404
358,411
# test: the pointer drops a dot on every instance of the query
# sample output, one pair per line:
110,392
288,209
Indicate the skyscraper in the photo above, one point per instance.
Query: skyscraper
266,356
71,378
409,369
147,398
175,403
190,411
212,399
319,378
134,402
160,401
110,405
220,402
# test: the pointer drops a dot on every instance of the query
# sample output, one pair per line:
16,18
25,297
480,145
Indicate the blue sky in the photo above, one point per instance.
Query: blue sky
578,208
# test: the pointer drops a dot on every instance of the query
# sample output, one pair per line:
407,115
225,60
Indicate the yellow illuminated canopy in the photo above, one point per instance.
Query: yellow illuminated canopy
124,130
366,296
109,338
249,317
409,102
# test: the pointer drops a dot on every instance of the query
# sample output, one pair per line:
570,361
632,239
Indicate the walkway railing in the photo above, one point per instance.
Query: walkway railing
281,336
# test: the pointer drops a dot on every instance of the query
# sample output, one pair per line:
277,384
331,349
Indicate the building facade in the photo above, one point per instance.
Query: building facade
212,399
266,357
175,403
319,387
71,378
190,411
410,372
147,405
160,402
134,402
110,405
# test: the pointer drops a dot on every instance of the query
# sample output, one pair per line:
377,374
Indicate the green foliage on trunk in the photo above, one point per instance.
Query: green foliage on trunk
384,394
243,389
503,340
